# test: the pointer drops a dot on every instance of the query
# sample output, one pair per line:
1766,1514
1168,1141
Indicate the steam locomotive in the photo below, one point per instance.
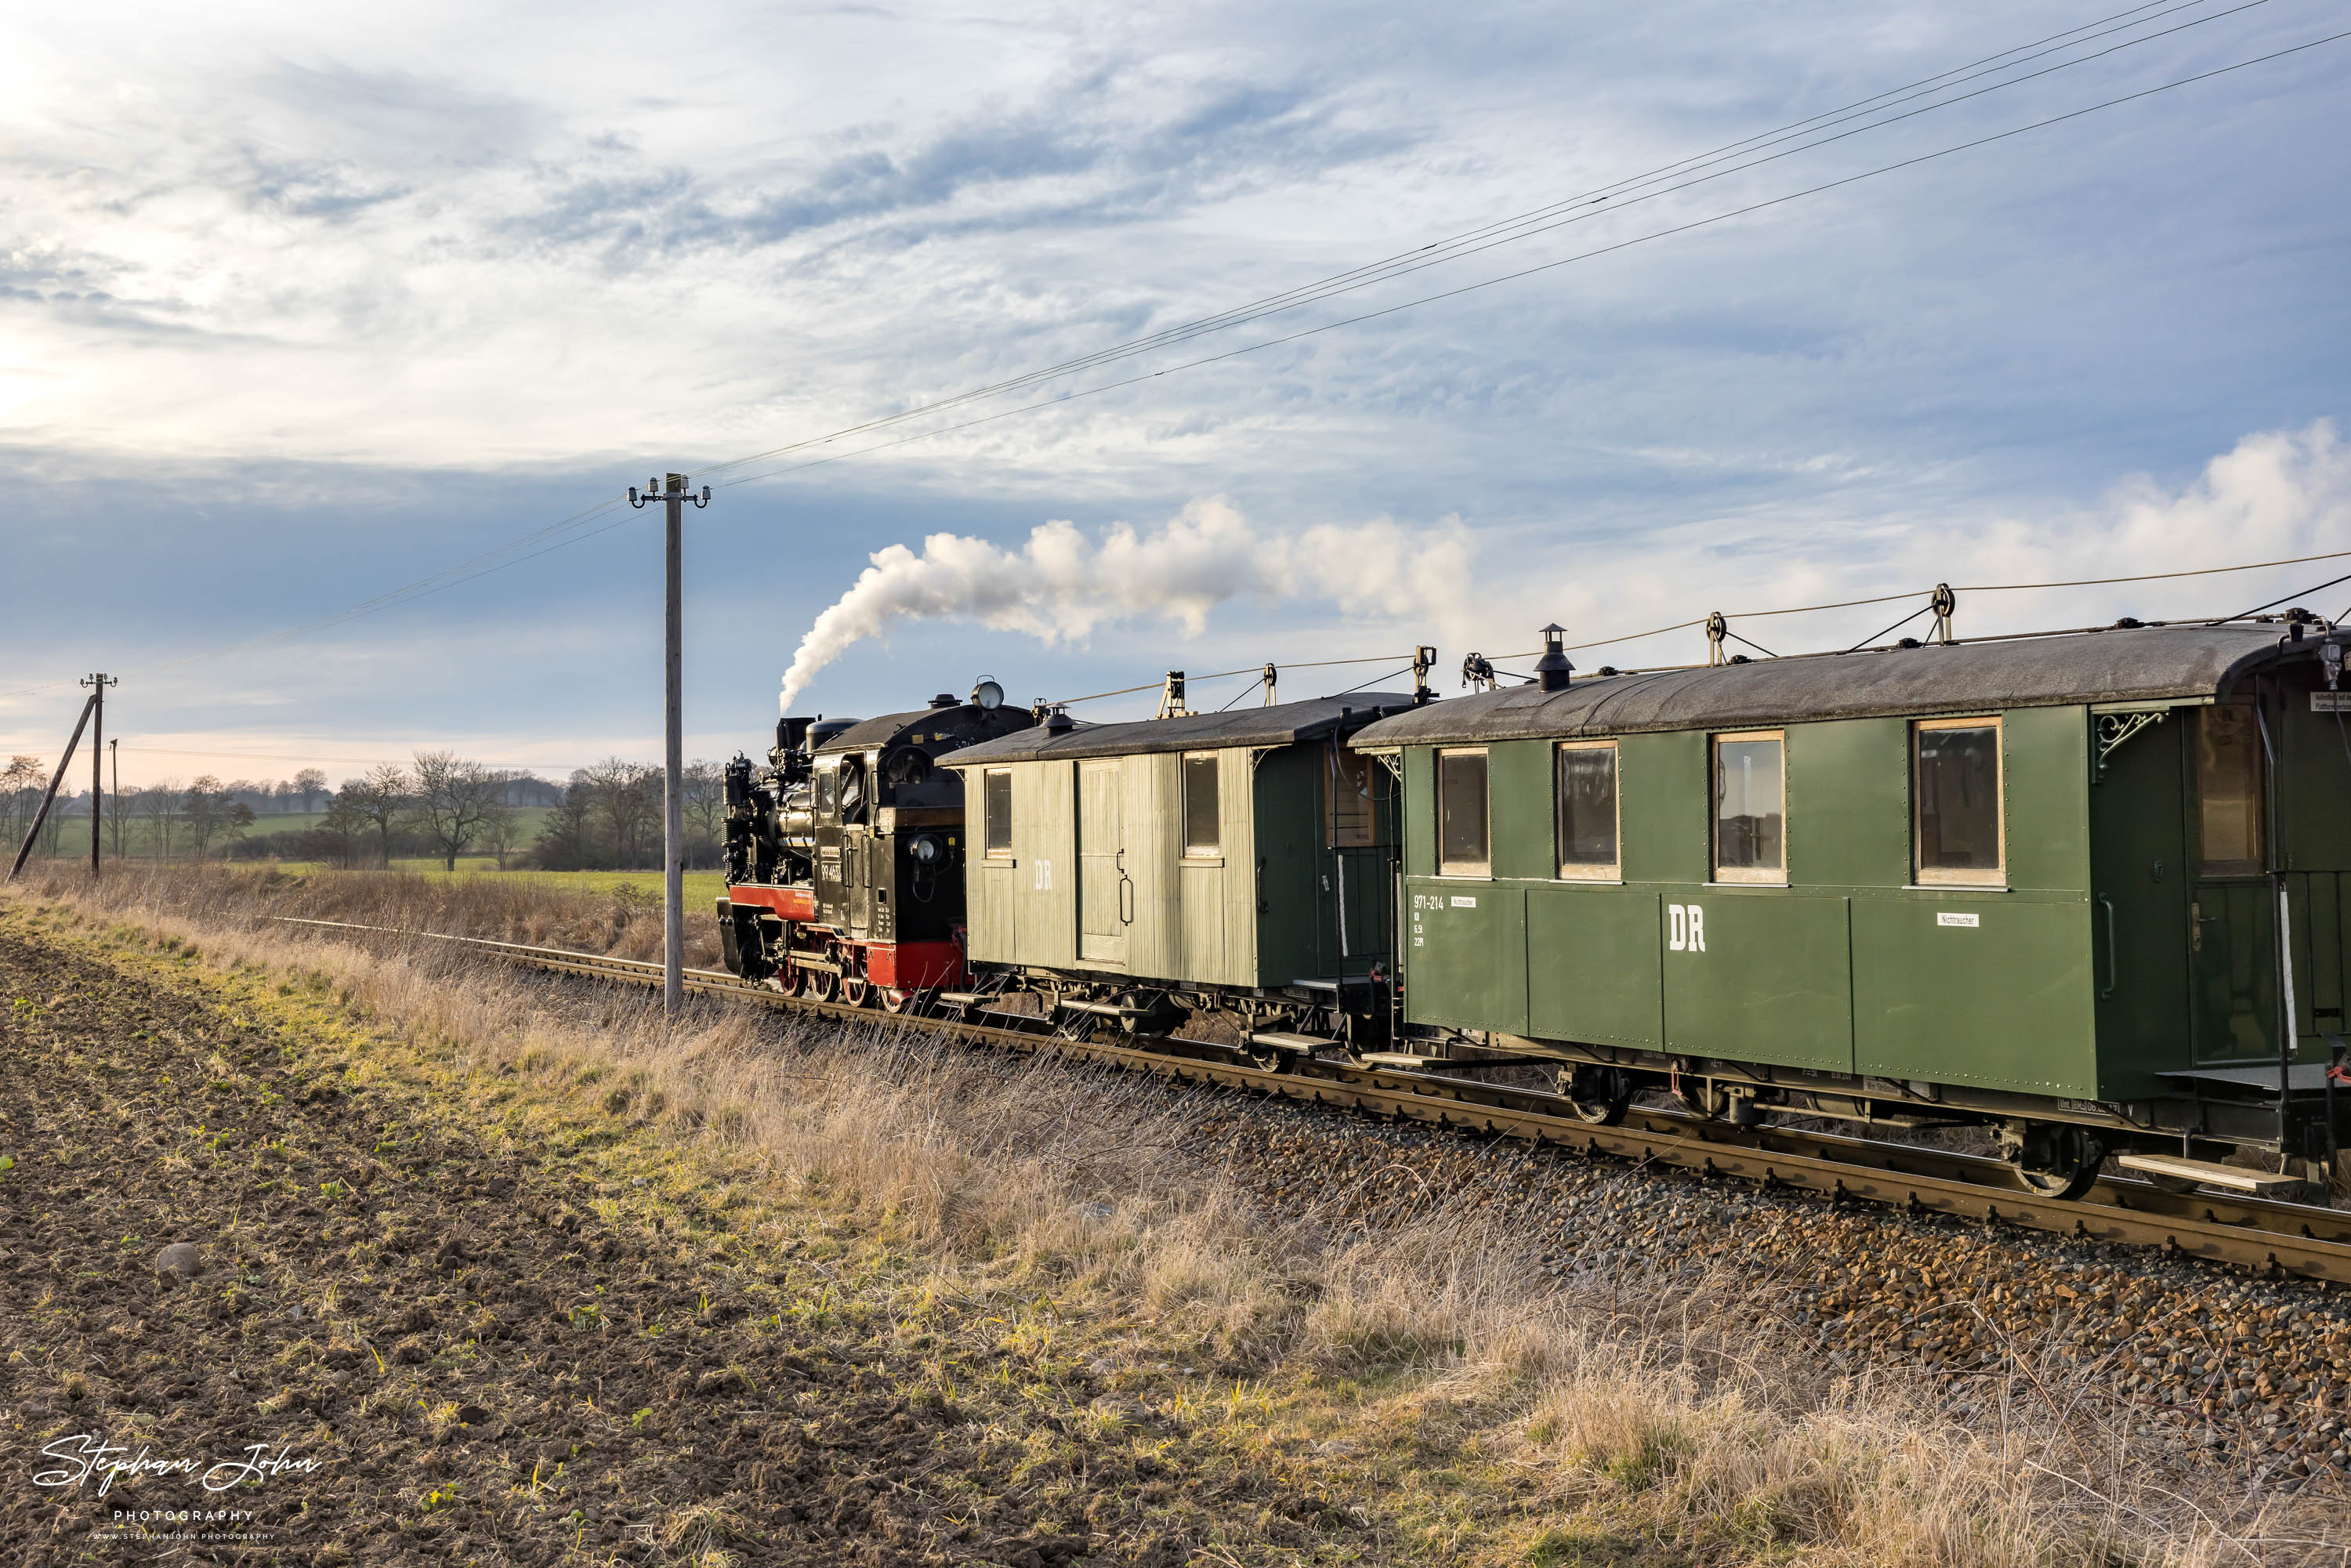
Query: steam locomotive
844,856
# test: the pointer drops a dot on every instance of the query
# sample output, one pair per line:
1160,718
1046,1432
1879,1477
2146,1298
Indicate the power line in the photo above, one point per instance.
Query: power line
1549,265
1485,238
490,562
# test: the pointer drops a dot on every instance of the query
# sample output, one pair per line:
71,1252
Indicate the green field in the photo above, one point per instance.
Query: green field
701,887
73,834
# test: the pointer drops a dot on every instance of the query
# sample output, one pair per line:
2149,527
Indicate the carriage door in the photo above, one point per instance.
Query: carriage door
2231,940
1102,893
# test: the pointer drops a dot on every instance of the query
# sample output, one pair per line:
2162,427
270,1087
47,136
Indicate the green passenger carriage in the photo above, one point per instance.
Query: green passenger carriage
2088,889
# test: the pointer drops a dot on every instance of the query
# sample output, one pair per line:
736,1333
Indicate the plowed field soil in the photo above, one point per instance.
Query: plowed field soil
471,1335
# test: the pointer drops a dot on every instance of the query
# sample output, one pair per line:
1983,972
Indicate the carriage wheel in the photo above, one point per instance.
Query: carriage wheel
1267,1059
1600,1095
2058,1160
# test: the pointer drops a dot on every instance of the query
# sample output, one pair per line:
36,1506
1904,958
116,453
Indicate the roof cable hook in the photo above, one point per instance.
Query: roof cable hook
1943,602
1717,628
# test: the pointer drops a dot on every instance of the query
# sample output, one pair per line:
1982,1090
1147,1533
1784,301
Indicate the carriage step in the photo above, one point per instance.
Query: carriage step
2204,1173
1280,1042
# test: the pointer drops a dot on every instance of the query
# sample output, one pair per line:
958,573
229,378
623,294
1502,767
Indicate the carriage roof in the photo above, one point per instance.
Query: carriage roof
2146,664
1283,723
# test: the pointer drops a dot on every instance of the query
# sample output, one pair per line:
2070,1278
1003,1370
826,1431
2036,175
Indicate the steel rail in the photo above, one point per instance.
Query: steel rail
2287,1239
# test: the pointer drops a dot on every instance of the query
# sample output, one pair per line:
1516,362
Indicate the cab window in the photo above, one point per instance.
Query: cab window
1587,810
1955,798
1750,820
1461,837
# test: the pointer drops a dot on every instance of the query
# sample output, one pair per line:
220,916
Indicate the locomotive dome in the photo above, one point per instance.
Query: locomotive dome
2119,664
1283,723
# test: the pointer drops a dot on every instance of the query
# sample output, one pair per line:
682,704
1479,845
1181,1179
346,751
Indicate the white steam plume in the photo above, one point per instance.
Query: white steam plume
1061,584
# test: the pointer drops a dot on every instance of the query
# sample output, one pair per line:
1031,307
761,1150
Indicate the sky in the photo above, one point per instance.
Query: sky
301,305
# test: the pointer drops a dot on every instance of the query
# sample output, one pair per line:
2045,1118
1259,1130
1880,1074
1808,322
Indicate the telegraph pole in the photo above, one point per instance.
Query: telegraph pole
98,685
675,497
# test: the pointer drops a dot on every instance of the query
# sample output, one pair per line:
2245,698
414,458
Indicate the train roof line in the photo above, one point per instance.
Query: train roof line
2110,664
1283,723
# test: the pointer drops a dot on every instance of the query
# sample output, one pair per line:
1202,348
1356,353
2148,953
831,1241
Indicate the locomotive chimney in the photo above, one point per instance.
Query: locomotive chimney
1553,669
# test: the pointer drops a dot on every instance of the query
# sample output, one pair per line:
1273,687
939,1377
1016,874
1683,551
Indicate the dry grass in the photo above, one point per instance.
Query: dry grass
1634,1419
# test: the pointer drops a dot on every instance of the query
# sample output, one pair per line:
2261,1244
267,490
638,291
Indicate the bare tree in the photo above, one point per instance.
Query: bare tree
310,787
343,828
628,796
704,785
379,799
21,783
454,799
501,831
160,804
214,812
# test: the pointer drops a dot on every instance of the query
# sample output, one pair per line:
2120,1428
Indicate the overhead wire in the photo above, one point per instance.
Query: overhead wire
489,561
1489,236
1665,233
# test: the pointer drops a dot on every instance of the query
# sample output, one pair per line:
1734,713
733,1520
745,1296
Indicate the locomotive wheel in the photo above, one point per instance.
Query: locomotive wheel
820,984
856,992
894,1000
1600,1095
2058,1161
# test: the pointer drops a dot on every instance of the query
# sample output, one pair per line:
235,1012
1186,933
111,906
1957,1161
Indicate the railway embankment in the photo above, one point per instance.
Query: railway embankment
536,1278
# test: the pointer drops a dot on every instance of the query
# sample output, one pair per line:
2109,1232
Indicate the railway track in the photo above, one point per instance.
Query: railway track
2283,1239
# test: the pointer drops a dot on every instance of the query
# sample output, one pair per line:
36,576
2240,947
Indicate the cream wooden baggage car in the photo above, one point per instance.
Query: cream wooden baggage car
1240,862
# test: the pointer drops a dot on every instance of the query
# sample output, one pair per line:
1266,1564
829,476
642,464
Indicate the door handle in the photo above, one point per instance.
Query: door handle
2114,954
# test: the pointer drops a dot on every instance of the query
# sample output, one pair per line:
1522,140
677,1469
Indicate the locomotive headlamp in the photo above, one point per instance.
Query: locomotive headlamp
2330,654
987,696
925,851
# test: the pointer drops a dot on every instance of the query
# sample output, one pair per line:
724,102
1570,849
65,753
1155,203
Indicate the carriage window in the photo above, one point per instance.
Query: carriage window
1954,800
824,792
2229,789
1202,819
996,808
1461,841
1587,809
1349,818
1751,820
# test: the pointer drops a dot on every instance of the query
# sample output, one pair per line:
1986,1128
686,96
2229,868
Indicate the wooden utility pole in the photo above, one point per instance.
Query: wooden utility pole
98,685
41,816
675,497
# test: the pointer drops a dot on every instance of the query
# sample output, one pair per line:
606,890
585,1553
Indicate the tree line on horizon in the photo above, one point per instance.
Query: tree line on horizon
608,817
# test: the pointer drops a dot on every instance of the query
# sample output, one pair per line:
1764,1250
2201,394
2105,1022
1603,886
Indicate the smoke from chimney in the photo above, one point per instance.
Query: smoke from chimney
1060,584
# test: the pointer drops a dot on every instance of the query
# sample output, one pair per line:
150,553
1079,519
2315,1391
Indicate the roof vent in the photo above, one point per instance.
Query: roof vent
1906,642
944,699
2129,623
1740,659
1060,722
1552,671
1605,669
